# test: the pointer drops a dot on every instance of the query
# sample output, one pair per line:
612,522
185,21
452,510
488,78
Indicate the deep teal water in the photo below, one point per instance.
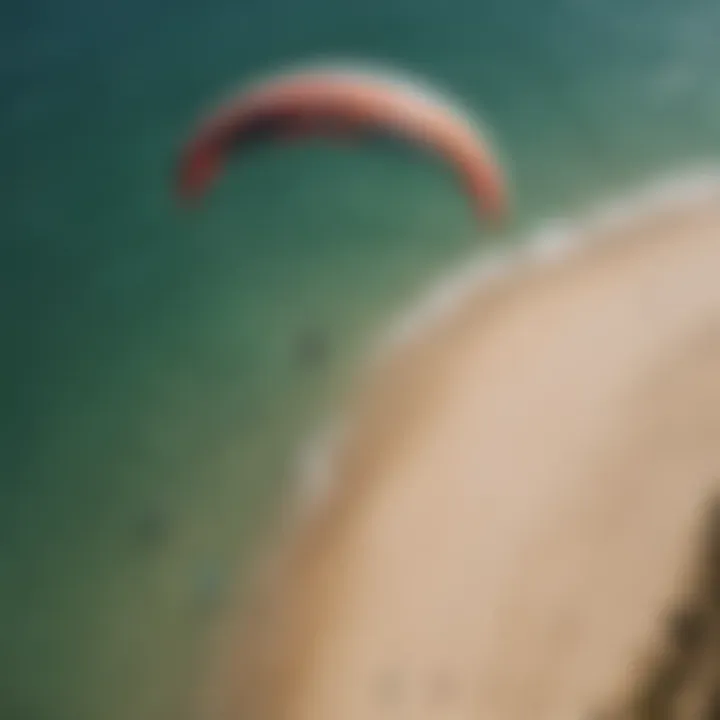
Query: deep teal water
149,397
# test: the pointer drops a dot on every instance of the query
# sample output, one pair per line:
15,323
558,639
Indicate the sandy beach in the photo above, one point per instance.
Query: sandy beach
513,524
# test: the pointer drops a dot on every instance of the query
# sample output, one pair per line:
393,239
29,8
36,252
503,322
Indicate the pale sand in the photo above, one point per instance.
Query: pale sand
515,509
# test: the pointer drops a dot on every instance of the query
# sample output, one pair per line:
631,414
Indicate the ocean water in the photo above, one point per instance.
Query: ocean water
155,375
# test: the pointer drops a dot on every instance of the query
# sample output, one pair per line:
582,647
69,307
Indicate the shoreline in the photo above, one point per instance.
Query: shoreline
485,272
348,587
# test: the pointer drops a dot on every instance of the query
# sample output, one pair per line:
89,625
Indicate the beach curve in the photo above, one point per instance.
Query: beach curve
516,500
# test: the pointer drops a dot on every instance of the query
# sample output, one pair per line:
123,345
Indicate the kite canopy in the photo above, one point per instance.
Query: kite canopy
334,102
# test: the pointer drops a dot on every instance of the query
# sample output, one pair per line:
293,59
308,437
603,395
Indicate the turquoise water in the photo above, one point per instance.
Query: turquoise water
152,399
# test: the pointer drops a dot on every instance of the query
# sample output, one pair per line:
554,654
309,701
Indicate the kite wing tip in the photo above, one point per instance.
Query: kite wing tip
198,166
